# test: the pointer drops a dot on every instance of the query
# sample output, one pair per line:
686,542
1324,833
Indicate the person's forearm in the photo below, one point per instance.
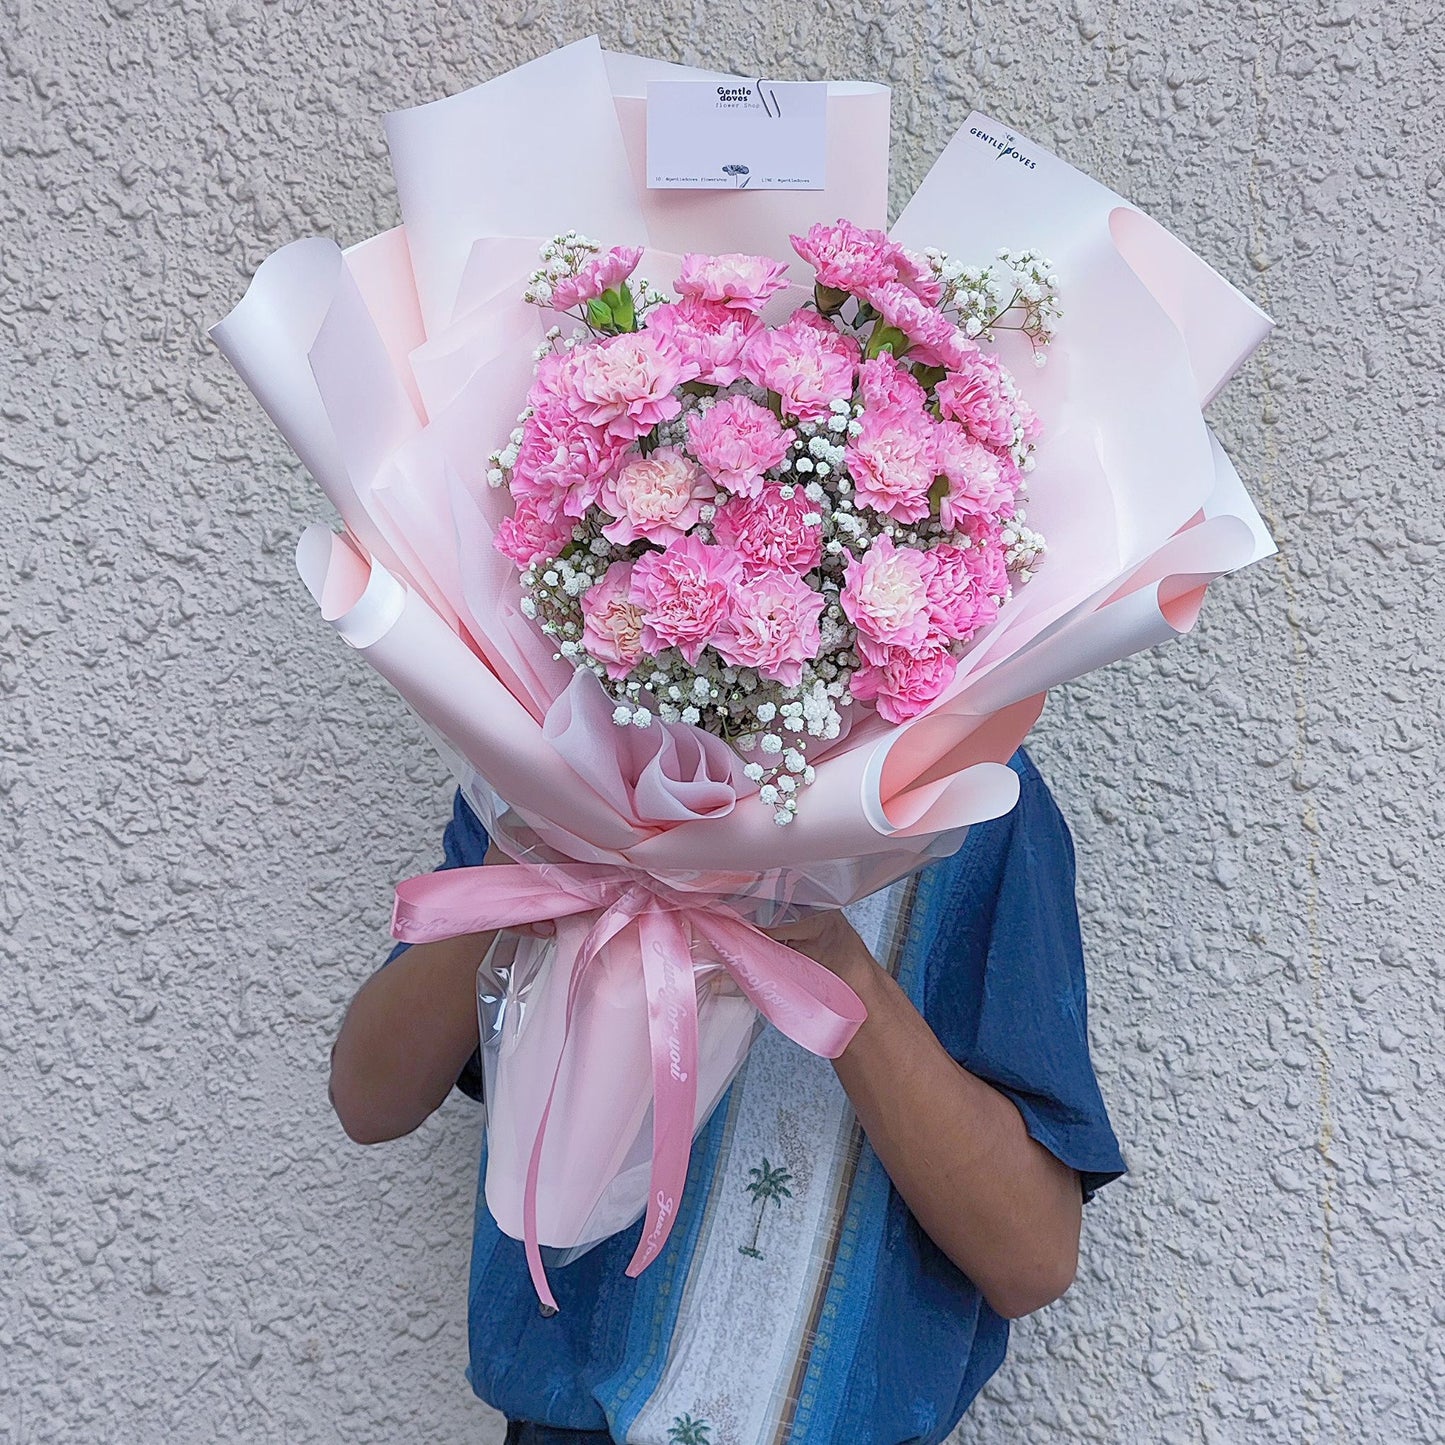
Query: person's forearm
407,1035
1003,1208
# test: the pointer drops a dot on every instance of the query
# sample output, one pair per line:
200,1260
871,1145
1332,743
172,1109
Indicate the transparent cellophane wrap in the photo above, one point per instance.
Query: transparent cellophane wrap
395,366
596,1159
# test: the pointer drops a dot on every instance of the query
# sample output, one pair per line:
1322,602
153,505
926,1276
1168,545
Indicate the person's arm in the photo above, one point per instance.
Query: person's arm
999,1204
407,1036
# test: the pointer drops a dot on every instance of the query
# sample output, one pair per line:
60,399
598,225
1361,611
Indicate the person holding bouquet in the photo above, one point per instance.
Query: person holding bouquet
731,645
855,1235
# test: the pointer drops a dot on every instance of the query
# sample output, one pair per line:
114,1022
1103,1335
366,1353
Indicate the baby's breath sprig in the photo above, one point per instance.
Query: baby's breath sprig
1019,293
564,255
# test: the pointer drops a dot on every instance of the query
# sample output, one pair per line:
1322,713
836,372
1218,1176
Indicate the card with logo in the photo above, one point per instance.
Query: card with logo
759,135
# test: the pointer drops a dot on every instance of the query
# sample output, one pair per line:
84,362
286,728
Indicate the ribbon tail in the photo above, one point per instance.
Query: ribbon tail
454,901
531,1240
672,1029
599,937
796,994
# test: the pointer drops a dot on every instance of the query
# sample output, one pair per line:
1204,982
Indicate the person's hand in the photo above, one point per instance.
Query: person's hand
544,928
827,938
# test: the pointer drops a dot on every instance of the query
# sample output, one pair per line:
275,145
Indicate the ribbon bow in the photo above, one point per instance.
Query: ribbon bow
656,925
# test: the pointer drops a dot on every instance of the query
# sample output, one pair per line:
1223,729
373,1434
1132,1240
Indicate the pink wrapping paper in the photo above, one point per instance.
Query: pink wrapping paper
395,367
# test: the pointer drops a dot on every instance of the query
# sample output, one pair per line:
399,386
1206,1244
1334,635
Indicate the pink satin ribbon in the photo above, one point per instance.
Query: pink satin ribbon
656,926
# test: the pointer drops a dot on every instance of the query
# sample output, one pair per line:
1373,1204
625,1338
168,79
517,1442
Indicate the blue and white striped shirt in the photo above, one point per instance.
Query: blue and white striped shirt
797,1299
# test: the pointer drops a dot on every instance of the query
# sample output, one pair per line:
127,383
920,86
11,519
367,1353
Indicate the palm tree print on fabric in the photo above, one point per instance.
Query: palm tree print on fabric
684,1430
765,1184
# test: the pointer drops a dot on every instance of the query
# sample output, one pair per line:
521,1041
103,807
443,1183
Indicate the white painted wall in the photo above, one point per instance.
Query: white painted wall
205,800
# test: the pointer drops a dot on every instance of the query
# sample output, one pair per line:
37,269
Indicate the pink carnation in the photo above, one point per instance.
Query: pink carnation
846,257
902,681
986,555
707,335
980,481
933,338
684,593
885,594
563,460
976,393
612,622
893,461
737,280
916,274
770,531
886,383
1028,419
600,274
958,601
772,626
623,384
805,318
809,365
737,441
657,497
530,536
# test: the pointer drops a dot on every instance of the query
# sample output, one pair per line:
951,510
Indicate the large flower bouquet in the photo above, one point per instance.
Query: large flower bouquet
749,527
754,553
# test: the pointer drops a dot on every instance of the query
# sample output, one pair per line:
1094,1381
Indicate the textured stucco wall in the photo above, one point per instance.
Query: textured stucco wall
204,800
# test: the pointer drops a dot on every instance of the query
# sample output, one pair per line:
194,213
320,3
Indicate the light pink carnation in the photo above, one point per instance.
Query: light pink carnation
737,280
916,274
986,556
563,460
958,602
980,481
885,594
737,441
623,384
809,365
769,531
976,393
657,498
530,535
1028,419
612,622
933,338
600,274
772,626
886,383
707,335
684,593
805,318
846,257
902,681
893,461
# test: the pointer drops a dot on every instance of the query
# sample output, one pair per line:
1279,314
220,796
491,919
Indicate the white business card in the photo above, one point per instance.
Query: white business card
758,135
